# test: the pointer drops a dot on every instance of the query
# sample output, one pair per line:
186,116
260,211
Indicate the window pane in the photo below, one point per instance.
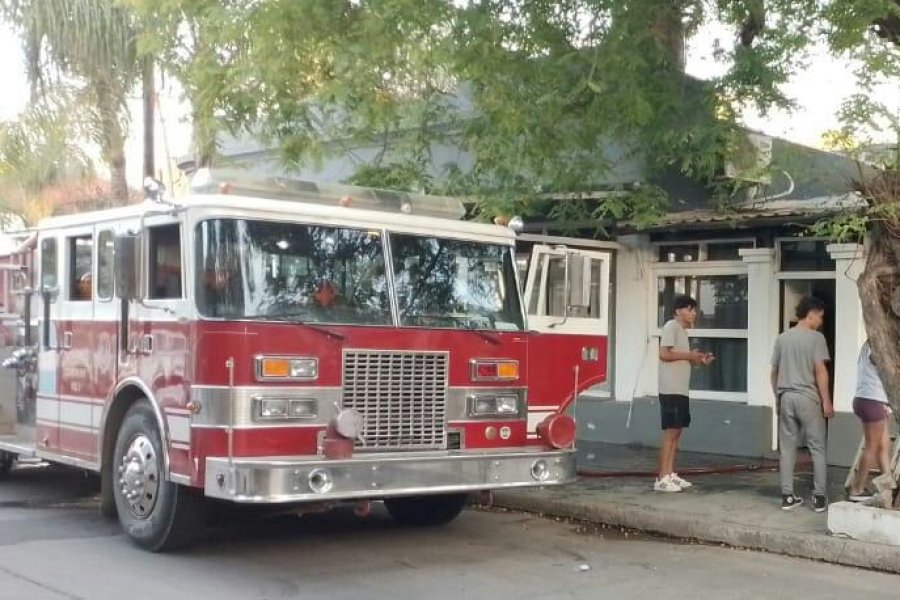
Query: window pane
728,373
721,300
805,255
678,252
165,262
81,258
455,283
48,263
726,250
272,270
105,265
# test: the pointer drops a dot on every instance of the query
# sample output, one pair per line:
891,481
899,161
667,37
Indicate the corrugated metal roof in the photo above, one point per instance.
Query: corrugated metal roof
773,210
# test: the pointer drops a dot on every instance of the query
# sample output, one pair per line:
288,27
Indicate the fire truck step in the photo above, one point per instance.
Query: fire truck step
18,444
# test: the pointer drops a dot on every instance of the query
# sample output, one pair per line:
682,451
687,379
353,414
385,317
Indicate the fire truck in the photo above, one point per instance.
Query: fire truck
278,342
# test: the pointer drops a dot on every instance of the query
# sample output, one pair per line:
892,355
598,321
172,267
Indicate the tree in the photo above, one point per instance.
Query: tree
43,170
90,44
544,96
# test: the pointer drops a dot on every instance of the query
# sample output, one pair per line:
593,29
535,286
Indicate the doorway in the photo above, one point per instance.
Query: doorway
792,291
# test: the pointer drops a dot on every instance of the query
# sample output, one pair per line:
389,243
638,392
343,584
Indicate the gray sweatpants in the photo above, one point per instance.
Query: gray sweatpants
800,414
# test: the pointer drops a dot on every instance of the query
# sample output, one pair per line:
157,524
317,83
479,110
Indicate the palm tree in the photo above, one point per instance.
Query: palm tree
41,165
93,44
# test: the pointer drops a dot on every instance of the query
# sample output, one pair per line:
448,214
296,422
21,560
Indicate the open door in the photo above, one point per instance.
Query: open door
566,297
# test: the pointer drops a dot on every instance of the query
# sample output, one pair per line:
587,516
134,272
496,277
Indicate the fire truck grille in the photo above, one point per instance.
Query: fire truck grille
402,397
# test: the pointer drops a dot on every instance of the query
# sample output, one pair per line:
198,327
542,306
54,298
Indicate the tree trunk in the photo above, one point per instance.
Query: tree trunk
879,292
118,183
148,87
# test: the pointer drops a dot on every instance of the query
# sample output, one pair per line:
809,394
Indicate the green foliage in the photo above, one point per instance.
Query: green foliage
90,44
544,97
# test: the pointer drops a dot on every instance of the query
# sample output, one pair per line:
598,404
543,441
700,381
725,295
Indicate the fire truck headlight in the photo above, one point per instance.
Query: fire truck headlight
272,408
305,368
507,405
305,408
493,406
265,409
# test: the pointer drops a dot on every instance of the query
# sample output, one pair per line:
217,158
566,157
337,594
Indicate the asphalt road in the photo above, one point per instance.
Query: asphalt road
54,545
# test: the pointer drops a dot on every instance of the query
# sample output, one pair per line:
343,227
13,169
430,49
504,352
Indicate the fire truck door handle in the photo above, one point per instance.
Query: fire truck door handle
67,340
146,344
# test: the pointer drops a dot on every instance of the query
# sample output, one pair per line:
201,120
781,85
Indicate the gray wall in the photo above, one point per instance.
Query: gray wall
717,427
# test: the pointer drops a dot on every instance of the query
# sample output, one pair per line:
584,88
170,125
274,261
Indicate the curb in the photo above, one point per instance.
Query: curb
696,526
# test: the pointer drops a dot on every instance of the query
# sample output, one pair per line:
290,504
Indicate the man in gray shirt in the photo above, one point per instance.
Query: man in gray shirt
800,383
675,361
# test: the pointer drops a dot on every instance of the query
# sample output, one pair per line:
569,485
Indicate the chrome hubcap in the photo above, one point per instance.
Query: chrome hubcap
139,476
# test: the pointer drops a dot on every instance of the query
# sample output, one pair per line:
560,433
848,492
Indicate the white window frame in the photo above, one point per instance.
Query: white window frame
701,249
698,269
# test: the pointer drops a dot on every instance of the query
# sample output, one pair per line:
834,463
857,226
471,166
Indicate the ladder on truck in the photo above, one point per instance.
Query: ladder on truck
895,466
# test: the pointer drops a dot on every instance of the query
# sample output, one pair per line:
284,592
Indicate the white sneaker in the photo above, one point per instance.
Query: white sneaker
666,485
682,483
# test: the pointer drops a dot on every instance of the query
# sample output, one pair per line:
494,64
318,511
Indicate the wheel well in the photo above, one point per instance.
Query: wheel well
120,405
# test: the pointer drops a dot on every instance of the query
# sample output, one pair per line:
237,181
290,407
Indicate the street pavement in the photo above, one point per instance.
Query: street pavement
54,545
739,508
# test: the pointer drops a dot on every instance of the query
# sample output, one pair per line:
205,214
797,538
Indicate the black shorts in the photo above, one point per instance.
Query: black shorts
674,411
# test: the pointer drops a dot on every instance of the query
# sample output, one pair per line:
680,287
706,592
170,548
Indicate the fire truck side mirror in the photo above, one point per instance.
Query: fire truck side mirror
127,264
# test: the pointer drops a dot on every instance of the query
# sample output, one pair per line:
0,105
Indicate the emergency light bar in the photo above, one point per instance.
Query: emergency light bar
240,183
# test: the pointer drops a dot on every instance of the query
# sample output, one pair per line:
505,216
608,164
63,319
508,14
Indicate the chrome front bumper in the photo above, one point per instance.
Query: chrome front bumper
373,476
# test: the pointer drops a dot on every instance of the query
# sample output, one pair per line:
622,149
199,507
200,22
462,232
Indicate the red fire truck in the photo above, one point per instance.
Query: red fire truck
281,342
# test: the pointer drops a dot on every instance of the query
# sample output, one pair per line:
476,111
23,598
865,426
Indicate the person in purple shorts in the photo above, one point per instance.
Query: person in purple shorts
870,404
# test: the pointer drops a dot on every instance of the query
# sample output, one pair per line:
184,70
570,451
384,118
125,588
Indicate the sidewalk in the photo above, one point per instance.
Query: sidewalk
740,509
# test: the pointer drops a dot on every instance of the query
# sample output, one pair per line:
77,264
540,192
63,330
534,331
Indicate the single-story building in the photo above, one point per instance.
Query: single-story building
747,267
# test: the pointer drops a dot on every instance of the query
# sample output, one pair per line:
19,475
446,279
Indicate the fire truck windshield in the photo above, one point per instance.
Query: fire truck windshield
336,275
454,283
316,274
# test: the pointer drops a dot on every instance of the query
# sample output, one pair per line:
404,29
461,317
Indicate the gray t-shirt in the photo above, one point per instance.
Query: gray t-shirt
674,376
795,356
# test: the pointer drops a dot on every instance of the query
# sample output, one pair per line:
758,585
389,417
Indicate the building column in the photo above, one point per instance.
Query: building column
762,327
635,364
849,330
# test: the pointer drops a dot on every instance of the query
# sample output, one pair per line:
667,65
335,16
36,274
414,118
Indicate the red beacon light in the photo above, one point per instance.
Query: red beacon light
557,431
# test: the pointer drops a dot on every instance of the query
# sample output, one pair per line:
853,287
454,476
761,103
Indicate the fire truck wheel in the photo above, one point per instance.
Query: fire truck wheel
6,462
426,511
156,514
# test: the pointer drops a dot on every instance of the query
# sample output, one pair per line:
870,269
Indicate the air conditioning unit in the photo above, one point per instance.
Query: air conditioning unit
752,161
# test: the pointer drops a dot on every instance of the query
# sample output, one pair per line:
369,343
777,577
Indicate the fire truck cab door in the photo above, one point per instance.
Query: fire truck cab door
78,396
566,298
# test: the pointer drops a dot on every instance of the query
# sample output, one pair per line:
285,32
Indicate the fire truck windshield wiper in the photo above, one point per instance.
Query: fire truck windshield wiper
480,332
296,320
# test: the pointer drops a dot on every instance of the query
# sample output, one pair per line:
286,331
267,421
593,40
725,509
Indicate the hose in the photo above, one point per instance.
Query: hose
718,470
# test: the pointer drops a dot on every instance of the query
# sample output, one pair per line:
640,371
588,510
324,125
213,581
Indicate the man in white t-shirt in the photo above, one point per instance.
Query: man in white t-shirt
675,360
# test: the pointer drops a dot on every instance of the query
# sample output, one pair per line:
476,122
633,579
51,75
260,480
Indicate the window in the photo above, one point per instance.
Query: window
105,265
555,289
291,271
454,283
165,262
721,299
805,255
728,373
48,263
720,328
722,250
81,262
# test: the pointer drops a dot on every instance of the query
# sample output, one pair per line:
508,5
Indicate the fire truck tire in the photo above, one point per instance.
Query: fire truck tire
426,511
6,462
156,514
